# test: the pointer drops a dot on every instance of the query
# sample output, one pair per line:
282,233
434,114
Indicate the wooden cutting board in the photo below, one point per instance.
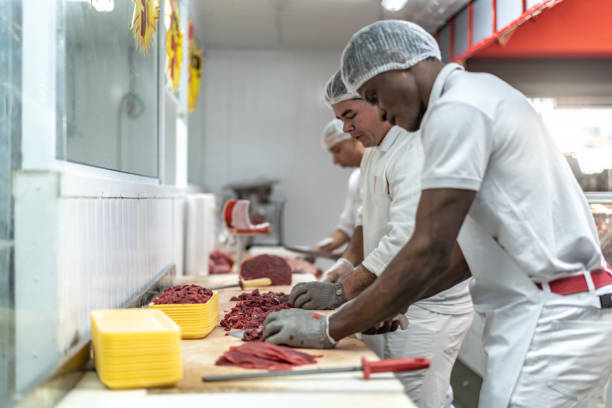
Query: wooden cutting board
199,355
199,358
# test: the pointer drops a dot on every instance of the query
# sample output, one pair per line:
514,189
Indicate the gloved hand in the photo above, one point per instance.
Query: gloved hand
298,328
317,295
341,268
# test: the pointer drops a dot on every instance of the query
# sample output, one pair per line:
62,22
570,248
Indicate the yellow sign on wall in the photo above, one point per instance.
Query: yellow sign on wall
195,69
174,46
144,22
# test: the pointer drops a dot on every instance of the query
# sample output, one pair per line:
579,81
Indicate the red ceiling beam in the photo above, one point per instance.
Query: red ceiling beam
473,48
571,29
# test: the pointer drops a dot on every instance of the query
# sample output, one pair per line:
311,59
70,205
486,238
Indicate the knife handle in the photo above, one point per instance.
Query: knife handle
392,365
255,282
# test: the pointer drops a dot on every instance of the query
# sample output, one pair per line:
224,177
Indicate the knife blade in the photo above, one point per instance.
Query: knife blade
392,365
240,333
317,254
236,333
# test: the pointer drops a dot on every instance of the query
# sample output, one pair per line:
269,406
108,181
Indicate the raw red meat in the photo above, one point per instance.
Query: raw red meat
183,294
265,356
302,266
266,266
251,311
219,262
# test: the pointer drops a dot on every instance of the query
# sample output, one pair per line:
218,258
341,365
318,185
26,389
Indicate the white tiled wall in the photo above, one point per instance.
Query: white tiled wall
110,250
79,252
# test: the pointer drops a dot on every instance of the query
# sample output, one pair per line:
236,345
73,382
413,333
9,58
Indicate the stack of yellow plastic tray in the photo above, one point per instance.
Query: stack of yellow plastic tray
136,348
196,320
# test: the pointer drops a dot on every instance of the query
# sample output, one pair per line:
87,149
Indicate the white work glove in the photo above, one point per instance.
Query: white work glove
298,328
341,268
317,295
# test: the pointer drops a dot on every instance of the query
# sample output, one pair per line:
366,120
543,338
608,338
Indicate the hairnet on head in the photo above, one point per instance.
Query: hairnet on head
385,46
335,90
333,134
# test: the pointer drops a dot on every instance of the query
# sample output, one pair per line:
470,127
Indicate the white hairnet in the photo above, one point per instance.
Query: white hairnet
385,46
333,134
335,90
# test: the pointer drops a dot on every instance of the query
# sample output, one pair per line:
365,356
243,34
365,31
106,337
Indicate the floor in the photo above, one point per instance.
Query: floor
466,386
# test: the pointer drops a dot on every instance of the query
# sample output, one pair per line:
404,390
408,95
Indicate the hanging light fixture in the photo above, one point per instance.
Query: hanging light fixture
394,5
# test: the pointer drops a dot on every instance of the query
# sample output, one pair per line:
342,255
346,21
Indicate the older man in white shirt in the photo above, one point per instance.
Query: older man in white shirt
347,153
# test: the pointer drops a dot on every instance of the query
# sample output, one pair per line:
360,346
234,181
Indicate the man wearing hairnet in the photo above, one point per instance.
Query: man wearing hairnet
390,190
540,279
346,152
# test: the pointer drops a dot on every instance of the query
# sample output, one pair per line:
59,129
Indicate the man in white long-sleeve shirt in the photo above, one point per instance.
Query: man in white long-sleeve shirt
390,191
346,152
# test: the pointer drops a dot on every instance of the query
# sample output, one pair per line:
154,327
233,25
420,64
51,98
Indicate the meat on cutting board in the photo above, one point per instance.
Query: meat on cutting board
265,356
302,266
219,262
267,266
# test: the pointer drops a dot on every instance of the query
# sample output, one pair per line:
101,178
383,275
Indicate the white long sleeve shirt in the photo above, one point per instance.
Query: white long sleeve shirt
352,203
390,190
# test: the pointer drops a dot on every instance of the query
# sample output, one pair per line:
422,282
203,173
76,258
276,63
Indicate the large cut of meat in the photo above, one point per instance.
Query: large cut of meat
183,294
266,266
302,266
265,356
251,311
219,262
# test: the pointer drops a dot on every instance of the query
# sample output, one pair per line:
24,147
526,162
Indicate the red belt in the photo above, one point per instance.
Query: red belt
578,283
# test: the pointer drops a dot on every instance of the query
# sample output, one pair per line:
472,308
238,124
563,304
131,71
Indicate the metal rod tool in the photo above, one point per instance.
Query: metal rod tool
392,365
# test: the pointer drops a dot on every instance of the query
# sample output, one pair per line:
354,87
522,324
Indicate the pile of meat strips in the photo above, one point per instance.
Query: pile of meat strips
251,311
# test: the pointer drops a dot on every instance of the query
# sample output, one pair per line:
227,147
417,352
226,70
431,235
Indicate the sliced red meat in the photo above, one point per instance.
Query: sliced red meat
265,356
266,266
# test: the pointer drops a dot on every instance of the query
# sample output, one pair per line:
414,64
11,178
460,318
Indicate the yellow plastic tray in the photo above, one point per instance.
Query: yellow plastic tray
195,320
136,348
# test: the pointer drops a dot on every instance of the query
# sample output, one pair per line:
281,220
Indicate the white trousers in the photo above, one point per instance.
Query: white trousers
432,335
569,360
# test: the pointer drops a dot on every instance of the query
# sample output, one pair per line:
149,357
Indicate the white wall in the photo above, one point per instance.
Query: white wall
263,114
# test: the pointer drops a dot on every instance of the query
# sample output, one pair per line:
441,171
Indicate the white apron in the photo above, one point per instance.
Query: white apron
510,304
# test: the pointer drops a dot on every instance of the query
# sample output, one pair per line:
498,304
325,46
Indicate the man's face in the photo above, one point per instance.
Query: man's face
346,154
361,121
397,97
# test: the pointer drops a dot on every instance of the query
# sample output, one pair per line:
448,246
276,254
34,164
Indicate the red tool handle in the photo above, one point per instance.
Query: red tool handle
392,365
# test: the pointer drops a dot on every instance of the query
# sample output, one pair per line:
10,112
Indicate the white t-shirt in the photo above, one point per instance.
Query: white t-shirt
390,191
352,203
481,134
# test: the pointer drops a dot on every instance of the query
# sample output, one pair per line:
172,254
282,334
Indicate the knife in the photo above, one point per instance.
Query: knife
392,365
317,254
242,284
240,333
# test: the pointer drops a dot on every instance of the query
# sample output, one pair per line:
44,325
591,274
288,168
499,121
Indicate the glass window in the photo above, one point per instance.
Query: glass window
603,221
107,89
584,136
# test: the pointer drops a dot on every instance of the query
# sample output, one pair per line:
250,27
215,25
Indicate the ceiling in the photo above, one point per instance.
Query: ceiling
303,24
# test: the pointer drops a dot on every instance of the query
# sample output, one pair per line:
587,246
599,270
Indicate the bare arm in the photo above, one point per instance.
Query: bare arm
338,238
424,261
354,251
